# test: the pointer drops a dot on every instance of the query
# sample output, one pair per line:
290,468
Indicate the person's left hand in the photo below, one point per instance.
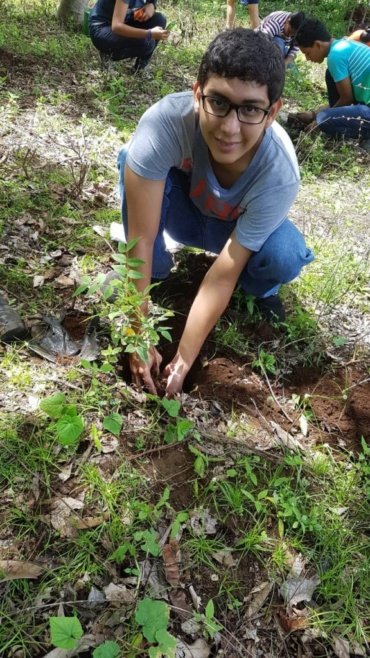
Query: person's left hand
175,373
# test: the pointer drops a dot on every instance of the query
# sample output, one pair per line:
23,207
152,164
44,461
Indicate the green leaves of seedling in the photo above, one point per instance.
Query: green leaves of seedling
65,631
211,626
54,405
108,649
172,407
166,645
69,425
153,617
149,542
113,423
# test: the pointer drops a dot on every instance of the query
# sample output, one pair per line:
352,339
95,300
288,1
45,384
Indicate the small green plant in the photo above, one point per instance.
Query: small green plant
153,617
265,362
69,424
124,305
65,632
208,621
108,649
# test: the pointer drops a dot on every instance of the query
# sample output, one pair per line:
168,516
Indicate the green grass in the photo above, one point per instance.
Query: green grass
69,121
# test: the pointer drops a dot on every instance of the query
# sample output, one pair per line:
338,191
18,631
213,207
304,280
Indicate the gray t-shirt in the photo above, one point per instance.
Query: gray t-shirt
168,135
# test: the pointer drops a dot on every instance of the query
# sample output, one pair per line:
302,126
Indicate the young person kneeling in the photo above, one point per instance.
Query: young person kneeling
215,170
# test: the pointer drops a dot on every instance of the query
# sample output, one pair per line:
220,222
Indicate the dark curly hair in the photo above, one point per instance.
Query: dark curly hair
296,20
247,55
310,31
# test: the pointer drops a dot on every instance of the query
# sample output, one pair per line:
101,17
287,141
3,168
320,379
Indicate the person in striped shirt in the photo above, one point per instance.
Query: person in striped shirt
281,27
347,81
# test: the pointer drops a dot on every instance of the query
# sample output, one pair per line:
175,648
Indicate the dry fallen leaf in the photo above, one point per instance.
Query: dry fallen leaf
64,281
171,560
89,521
199,649
203,523
225,558
341,647
180,606
294,590
119,594
293,622
14,569
261,593
61,510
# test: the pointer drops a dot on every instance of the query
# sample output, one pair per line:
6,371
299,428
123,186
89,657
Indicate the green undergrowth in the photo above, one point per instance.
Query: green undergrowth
315,505
62,130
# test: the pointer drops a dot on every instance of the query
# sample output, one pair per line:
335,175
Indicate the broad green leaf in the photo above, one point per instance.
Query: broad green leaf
181,517
167,643
152,616
69,429
134,274
170,435
65,631
106,367
210,609
166,334
155,652
200,466
183,426
172,407
54,406
113,423
108,649
150,544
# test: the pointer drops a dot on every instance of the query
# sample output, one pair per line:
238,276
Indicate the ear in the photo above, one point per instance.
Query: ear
274,111
197,94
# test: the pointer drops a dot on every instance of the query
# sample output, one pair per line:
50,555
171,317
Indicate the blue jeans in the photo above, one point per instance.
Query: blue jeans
282,45
349,120
118,47
279,260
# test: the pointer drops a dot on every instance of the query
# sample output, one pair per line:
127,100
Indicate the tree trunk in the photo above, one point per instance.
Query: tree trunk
72,10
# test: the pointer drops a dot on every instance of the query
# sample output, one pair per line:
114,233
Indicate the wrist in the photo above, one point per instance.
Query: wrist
149,35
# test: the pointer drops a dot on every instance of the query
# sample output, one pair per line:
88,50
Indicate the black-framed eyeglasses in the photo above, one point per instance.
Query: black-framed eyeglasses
246,113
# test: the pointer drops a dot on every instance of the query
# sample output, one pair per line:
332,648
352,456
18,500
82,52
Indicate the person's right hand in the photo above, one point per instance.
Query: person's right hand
145,374
159,34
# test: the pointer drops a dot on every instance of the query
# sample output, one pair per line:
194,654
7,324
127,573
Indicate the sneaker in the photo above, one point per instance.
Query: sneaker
271,308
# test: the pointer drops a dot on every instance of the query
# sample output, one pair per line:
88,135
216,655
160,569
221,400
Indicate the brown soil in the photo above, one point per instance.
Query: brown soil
338,395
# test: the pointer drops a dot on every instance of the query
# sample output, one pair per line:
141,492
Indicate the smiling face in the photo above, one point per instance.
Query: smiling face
232,144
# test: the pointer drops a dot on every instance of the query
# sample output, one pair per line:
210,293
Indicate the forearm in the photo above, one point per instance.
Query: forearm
123,30
208,306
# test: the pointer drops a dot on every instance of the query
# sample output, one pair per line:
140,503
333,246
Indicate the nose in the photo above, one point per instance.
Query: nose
231,123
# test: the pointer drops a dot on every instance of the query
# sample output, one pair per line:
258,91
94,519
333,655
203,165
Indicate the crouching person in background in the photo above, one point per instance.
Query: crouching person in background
122,29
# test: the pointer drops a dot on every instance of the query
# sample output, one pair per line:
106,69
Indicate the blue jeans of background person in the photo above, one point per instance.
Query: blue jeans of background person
348,120
282,45
118,47
279,260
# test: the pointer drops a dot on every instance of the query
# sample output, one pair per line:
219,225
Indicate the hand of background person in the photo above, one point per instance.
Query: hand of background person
145,374
175,373
159,34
